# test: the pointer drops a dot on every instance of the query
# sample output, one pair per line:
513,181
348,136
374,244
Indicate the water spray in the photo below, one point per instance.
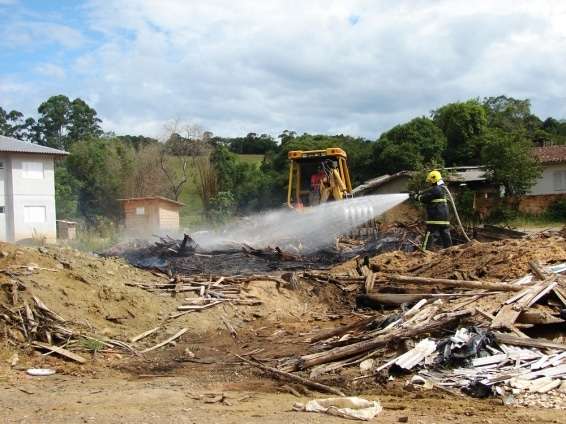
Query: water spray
315,228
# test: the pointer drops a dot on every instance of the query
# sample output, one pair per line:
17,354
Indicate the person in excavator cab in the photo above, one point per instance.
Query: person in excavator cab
437,211
332,187
316,181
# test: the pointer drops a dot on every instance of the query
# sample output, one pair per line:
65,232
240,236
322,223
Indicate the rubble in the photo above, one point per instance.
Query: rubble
481,319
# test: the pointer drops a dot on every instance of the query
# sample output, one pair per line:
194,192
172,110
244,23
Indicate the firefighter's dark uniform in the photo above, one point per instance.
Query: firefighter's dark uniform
437,216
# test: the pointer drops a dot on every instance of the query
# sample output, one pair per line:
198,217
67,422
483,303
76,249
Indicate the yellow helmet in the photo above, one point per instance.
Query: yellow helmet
433,177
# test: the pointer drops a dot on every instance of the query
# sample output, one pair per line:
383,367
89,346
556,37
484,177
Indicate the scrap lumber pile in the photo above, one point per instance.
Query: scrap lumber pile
205,292
478,337
29,321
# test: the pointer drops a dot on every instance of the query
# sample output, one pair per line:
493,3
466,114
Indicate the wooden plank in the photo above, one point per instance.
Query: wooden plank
455,283
60,351
309,383
519,341
169,340
506,317
143,335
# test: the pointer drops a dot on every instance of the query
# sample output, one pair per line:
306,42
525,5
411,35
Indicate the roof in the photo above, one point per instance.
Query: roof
10,144
151,198
550,154
379,181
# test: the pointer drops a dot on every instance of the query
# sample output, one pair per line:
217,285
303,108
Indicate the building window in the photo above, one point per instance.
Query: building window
32,170
1,165
140,211
34,214
559,183
2,210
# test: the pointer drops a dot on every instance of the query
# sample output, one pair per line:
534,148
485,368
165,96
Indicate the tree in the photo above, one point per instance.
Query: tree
66,192
463,124
147,177
408,146
63,122
101,166
83,122
252,144
13,124
507,113
510,162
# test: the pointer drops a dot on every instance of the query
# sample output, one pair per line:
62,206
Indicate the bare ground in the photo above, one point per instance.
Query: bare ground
170,385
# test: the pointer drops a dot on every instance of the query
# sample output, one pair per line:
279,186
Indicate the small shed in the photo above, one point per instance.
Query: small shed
145,216
66,230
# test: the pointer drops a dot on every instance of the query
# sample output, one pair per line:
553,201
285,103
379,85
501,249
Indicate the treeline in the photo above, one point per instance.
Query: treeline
498,132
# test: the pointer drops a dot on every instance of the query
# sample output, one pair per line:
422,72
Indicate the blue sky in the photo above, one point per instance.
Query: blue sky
233,67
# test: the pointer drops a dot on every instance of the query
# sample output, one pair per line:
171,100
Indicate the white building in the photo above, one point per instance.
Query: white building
27,190
553,178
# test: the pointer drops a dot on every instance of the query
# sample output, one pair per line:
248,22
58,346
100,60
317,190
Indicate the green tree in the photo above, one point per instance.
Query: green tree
63,122
100,166
13,124
510,162
408,146
83,122
507,113
249,185
252,144
66,192
222,207
463,124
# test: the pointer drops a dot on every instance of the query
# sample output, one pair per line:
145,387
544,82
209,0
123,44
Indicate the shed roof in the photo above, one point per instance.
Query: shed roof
10,144
379,181
151,198
550,154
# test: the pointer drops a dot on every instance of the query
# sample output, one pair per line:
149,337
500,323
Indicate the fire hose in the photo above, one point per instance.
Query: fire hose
455,211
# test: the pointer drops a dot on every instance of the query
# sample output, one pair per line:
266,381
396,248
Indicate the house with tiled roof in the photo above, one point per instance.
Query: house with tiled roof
27,190
553,179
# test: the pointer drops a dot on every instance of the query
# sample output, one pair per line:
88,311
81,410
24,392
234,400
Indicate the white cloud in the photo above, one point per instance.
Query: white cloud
34,34
319,66
50,70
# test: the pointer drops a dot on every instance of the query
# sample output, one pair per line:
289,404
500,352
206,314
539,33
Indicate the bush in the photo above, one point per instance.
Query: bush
222,207
503,213
558,210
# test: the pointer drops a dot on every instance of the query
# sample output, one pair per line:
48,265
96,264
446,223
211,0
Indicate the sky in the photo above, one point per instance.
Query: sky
356,67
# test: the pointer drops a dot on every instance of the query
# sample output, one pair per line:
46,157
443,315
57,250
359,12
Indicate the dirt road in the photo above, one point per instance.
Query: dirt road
120,399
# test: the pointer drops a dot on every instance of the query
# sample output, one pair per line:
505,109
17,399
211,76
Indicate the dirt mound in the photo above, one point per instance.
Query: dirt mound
87,291
500,260
100,297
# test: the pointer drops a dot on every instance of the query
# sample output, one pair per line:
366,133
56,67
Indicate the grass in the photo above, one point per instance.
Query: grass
534,221
192,213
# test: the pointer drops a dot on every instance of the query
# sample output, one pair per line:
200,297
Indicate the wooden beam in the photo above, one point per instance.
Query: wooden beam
309,383
60,351
519,341
455,283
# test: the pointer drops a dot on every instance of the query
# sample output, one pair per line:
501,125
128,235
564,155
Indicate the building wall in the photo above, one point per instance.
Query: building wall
140,225
168,217
4,165
533,205
552,181
158,217
23,193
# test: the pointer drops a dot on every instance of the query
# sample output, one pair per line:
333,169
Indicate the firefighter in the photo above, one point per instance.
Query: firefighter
437,213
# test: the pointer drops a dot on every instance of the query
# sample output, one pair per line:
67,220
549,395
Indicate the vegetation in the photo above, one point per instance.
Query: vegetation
217,177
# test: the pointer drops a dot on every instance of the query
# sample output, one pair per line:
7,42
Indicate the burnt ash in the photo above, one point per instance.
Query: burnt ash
186,257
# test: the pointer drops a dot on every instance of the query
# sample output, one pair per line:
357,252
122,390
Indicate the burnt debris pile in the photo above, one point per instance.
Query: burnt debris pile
186,257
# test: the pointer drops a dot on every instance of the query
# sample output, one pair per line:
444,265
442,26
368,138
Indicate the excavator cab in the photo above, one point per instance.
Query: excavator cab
317,176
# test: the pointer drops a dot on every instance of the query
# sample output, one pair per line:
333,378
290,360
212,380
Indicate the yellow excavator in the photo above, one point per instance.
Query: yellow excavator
317,176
